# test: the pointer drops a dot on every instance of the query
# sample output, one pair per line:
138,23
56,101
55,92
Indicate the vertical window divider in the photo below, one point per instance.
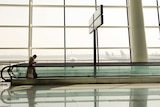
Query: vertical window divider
64,37
30,29
158,15
128,32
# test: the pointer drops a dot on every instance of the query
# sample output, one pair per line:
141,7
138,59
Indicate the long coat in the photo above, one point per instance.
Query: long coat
31,71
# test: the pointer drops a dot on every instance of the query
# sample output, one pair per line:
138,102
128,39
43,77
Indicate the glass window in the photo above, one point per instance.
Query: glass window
14,16
80,2
150,17
79,55
14,54
14,1
115,17
114,55
149,2
52,55
78,16
113,37
112,2
48,2
158,2
152,37
78,37
48,42
154,55
48,16
14,37
48,37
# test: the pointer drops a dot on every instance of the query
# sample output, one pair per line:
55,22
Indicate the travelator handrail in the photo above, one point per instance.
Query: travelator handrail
11,74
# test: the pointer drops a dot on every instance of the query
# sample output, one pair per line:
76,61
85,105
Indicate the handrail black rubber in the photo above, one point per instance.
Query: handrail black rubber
3,70
90,64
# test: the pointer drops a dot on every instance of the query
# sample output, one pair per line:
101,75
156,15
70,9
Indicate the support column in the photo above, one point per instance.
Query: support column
138,49
137,31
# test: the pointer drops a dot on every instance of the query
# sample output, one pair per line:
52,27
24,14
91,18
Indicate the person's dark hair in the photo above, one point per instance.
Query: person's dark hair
35,56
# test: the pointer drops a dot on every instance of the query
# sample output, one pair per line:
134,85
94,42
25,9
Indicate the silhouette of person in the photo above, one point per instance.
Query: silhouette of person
31,71
31,95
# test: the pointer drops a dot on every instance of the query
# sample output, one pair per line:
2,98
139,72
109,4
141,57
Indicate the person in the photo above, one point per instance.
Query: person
31,71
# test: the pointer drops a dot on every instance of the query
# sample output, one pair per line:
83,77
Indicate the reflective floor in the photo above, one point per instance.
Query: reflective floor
81,95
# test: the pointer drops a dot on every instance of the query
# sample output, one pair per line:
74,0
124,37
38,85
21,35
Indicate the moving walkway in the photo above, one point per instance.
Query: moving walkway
70,73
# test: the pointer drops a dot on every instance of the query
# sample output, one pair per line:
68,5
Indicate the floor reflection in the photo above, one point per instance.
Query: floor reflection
85,95
31,95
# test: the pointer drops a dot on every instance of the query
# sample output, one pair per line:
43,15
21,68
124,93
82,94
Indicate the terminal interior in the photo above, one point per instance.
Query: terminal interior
91,53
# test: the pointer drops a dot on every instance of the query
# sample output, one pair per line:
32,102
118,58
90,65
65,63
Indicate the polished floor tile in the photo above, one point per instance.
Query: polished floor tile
81,95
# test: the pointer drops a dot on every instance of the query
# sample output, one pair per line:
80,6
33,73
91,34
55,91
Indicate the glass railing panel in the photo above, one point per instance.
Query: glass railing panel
50,71
154,70
145,70
80,71
56,71
110,70
140,70
113,71
19,71
128,71
41,71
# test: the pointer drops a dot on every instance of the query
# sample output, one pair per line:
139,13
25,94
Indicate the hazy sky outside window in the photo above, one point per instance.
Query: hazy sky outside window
80,2
78,37
78,16
112,53
54,55
154,52
14,1
115,17
48,16
13,51
48,2
13,54
113,37
152,37
79,55
112,2
78,52
48,37
49,52
14,15
149,2
14,37
150,16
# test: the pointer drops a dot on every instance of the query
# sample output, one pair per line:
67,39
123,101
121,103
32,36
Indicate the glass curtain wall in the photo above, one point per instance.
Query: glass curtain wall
113,36
57,30
14,29
152,30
